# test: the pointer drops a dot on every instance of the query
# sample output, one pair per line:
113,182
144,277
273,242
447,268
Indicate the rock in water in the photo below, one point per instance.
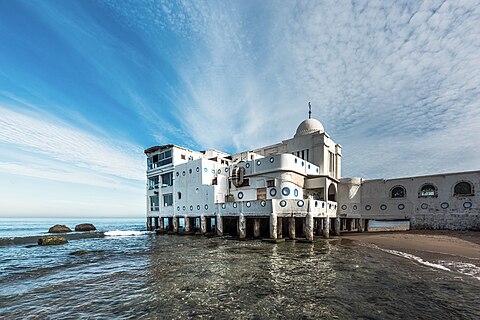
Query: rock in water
85,227
51,241
58,228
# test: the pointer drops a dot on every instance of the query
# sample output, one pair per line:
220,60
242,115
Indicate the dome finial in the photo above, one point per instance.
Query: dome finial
309,110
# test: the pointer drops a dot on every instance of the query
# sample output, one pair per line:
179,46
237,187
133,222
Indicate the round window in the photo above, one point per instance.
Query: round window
206,207
300,203
286,191
259,162
191,208
224,205
198,207
424,206
273,192
247,165
283,203
368,207
272,159
234,204
444,205
198,169
401,206
183,173
205,170
227,169
240,195
383,207
178,208
355,207
248,204
177,173
295,192
263,203
344,207
184,208
190,171
467,205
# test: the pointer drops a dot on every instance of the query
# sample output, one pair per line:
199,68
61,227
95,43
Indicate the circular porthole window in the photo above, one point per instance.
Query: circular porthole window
219,171
178,208
259,162
344,207
286,191
248,204
355,207
240,195
206,207
283,203
198,169
263,203
273,192
234,204
401,206
295,193
383,207
191,208
300,203
205,170
190,171
227,169
183,173
184,208
177,173
213,171
467,205
224,205
247,165
444,205
368,207
198,207
271,159
424,206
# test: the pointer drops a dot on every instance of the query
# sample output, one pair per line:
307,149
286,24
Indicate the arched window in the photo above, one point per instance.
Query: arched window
428,191
463,188
398,192
332,193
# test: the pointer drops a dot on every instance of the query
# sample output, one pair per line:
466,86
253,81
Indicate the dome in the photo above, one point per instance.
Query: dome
309,126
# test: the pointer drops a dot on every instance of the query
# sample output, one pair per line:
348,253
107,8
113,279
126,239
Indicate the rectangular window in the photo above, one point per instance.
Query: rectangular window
307,158
303,154
262,194
167,179
153,183
270,183
154,203
161,159
167,199
332,163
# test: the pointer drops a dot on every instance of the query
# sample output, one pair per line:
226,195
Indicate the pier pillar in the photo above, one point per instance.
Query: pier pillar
336,231
273,225
242,227
203,224
291,227
219,225
360,225
309,226
175,224
256,227
149,224
155,222
162,224
326,227
319,226
188,224
350,224
279,228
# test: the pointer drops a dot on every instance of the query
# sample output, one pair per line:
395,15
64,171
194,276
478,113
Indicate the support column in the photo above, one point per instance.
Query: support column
273,225
279,228
162,224
203,224
155,221
242,227
319,226
360,225
350,224
256,227
149,224
219,225
309,226
188,224
291,227
175,224
336,231
326,227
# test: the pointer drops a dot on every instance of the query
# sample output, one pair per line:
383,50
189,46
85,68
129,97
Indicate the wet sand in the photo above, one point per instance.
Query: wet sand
431,245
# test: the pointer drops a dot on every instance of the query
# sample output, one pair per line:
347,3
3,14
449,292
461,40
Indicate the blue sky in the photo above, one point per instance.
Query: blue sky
85,86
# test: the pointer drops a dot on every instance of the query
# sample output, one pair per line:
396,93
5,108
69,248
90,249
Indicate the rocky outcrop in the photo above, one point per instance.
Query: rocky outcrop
85,227
51,241
58,228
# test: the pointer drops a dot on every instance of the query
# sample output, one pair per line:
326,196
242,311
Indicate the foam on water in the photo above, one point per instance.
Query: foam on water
125,233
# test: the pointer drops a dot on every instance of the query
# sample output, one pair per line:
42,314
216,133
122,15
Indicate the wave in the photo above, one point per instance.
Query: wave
125,233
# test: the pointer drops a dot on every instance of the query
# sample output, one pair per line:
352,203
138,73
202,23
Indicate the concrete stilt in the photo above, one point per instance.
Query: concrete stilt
336,231
350,225
162,224
155,222
175,224
273,225
309,226
319,226
219,226
203,224
256,227
279,228
326,227
149,224
360,225
291,227
188,224
242,227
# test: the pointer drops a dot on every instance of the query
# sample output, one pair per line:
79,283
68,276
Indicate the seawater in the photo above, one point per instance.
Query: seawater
132,273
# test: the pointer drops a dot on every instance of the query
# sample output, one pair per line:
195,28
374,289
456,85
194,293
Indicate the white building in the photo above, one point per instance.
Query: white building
294,189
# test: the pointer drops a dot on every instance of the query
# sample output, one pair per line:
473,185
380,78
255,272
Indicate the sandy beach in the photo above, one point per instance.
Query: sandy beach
452,249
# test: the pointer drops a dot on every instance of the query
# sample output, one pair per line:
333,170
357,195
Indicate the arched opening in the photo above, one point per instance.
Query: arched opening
332,193
428,191
398,192
463,188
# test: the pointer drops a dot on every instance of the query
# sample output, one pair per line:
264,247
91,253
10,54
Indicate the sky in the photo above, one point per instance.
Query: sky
86,86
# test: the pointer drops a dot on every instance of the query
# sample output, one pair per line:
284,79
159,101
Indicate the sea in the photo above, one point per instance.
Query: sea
127,272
